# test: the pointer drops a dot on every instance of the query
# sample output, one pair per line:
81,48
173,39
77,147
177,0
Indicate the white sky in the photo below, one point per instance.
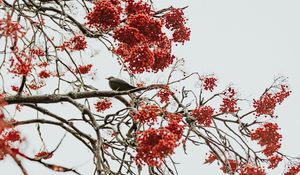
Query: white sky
244,42
248,43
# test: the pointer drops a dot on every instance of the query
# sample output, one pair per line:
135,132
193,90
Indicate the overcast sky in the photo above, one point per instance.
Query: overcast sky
247,43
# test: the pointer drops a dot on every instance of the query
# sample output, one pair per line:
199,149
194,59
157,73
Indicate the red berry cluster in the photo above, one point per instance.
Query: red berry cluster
151,28
21,63
209,83
142,44
229,103
294,170
147,114
43,64
231,167
269,137
154,145
11,29
83,69
203,115
44,74
247,170
15,88
274,161
105,15
164,94
139,7
35,85
129,35
267,103
181,35
162,60
140,58
12,136
175,21
175,124
103,104
8,137
211,158
78,42
37,52
282,94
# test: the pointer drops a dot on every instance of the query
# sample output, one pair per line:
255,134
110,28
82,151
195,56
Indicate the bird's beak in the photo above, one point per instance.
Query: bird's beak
107,78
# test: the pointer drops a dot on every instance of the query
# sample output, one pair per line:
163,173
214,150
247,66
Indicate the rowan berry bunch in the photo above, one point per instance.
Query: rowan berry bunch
268,137
203,115
267,103
141,42
165,94
294,170
9,137
209,83
103,104
229,104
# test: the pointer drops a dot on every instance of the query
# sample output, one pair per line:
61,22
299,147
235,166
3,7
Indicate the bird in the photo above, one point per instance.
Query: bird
118,84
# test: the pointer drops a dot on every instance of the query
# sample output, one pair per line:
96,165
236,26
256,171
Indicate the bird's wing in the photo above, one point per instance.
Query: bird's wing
122,82
117,80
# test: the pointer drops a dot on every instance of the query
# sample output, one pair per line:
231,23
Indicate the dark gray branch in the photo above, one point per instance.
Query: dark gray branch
56,98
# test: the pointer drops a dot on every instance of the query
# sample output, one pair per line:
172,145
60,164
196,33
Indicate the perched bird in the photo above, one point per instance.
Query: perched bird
118,84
